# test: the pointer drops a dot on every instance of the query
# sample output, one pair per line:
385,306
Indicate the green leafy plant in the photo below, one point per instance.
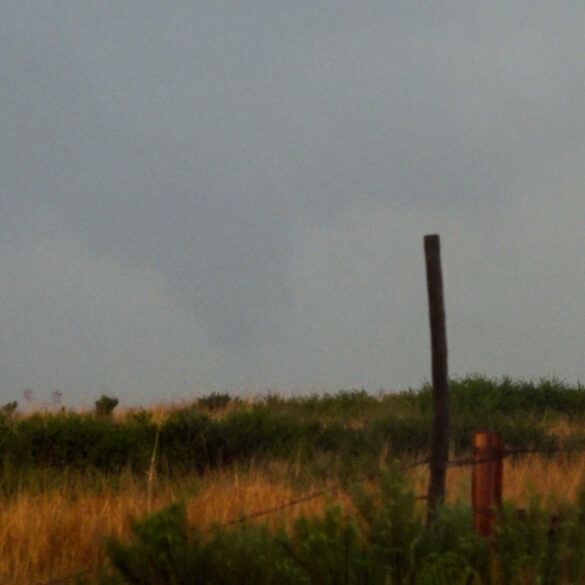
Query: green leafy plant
165,550
386,543
214,401
105,405
9,409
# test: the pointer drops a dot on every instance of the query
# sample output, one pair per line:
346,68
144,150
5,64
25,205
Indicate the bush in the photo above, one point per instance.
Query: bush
105,405
165,549
8,410
348,429
214,401
190,441
387,543
405,436
260,432
69,440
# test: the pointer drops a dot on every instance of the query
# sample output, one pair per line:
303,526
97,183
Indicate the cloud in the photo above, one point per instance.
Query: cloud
76,322
516,306
236,195
357,316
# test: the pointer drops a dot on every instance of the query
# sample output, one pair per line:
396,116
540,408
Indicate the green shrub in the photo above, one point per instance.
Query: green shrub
482,397
105,405
166,550
214,401
343,432
387,543
69,440
9,409
261,432
404,436
190,441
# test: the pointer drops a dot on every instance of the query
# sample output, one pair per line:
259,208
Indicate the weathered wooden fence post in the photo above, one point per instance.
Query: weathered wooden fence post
486,480
440,427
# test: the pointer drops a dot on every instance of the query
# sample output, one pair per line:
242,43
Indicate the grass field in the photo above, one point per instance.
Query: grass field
54,520
52,533
49,533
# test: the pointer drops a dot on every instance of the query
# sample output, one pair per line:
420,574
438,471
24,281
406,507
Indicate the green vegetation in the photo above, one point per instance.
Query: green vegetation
105,405
384,541
380,538
214,401
349,429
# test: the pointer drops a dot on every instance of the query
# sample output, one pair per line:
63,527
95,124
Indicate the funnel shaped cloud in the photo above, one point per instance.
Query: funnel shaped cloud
206,197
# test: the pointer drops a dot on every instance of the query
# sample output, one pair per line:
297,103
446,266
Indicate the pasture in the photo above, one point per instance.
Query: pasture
308,478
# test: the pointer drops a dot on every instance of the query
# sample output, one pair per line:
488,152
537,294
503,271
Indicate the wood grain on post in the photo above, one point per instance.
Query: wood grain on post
440,427
486,480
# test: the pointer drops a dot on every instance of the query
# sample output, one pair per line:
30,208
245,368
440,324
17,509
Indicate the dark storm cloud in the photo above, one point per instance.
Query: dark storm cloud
266,173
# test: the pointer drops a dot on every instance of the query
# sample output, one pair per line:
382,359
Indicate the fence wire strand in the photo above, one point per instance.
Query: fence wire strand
465,462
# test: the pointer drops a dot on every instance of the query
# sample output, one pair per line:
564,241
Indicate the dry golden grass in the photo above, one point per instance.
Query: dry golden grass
557,479
47,534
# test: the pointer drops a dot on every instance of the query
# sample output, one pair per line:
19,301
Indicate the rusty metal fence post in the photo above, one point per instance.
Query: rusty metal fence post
486,480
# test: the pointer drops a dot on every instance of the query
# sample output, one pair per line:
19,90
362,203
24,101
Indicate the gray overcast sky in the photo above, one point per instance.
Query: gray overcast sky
232,195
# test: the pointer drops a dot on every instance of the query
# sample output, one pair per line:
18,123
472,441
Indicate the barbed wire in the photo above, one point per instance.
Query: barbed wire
321,493
464,462
470,461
